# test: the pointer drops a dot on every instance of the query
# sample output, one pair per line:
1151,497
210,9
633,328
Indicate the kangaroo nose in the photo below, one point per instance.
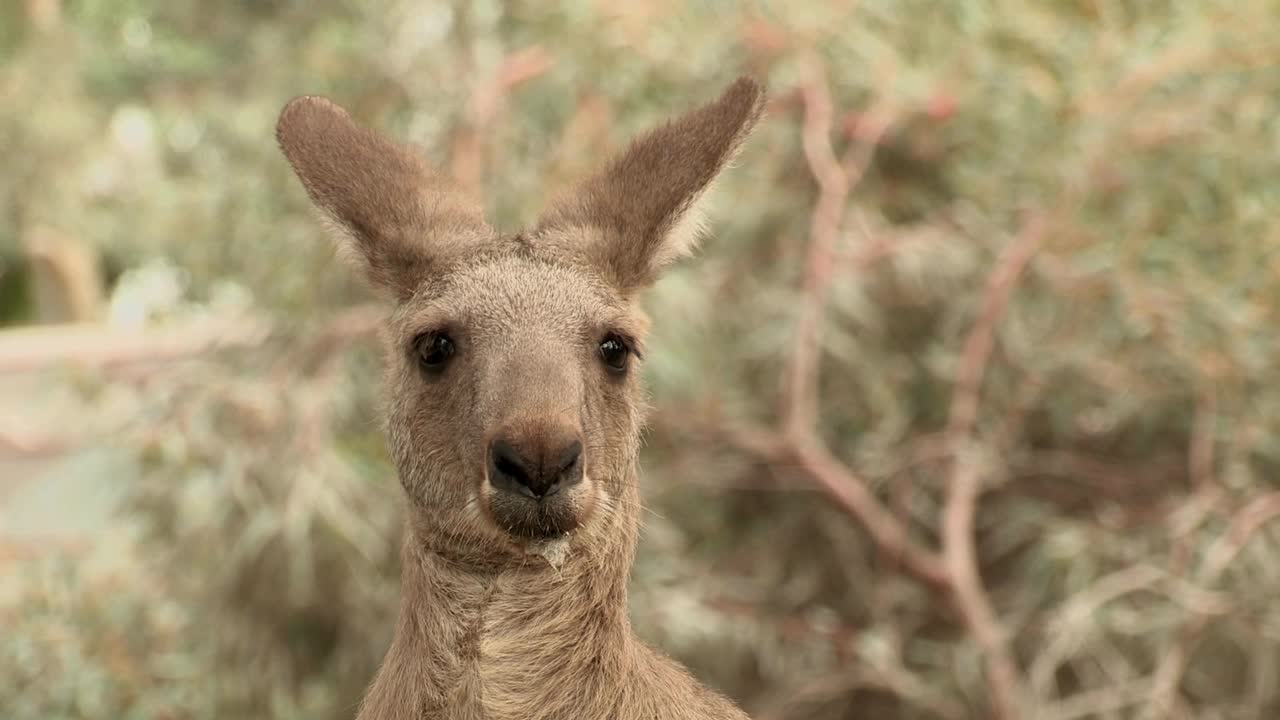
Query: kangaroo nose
535,468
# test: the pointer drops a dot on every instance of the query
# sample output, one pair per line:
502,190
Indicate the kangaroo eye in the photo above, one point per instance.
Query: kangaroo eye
434,350
615,353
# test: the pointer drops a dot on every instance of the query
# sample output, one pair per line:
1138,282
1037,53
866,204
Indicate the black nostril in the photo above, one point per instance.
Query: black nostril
569,458
508,470
507,466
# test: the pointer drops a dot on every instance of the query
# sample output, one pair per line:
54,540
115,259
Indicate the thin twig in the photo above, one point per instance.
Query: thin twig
899,681
1200,453
800,404
852,494
1066,632
793,627
1246,523
978,346
958,543
1098,703
836,178
484,107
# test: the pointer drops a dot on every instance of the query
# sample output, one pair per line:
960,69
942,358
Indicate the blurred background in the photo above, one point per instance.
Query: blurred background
968,409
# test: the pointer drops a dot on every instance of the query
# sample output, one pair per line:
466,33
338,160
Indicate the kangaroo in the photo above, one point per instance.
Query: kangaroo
513,413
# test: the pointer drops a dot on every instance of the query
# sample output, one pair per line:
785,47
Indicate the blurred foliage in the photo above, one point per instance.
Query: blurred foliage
1128,413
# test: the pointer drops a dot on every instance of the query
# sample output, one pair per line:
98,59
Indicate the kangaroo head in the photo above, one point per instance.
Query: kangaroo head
513,360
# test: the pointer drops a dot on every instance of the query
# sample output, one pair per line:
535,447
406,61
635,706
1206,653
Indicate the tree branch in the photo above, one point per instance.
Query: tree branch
836,178
103,347
852,494
100,347
958,543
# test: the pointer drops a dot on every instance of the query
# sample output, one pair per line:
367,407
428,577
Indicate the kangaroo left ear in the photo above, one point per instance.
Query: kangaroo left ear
393,215
641,211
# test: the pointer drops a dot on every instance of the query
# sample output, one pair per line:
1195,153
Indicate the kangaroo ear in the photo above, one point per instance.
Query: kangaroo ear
641,211
393,215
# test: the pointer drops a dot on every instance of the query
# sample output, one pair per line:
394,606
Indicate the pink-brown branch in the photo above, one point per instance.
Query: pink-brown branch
851,493
958,542
836,178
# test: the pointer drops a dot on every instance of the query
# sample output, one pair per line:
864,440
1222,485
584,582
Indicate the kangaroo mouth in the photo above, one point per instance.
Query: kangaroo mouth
527,518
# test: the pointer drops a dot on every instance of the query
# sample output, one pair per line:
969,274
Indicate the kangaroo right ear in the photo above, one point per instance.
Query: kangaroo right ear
641,211
393,215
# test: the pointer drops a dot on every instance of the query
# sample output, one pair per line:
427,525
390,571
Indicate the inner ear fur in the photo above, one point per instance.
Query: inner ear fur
393,215
641,211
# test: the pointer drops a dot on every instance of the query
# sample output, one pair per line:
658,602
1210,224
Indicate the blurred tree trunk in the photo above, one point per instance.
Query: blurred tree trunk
45,14
66,282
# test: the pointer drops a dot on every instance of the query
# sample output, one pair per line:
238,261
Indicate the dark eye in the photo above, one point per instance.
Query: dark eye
434,350
614,352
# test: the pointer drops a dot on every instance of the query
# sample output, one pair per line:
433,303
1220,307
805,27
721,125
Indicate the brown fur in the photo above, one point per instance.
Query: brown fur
493,624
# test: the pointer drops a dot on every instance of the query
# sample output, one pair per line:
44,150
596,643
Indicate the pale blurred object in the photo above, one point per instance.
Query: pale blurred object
146,293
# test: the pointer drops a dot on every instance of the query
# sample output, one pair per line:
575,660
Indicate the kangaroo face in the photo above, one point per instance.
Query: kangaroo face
514,395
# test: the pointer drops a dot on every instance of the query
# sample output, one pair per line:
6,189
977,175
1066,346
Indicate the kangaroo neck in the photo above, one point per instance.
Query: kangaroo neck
532,636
